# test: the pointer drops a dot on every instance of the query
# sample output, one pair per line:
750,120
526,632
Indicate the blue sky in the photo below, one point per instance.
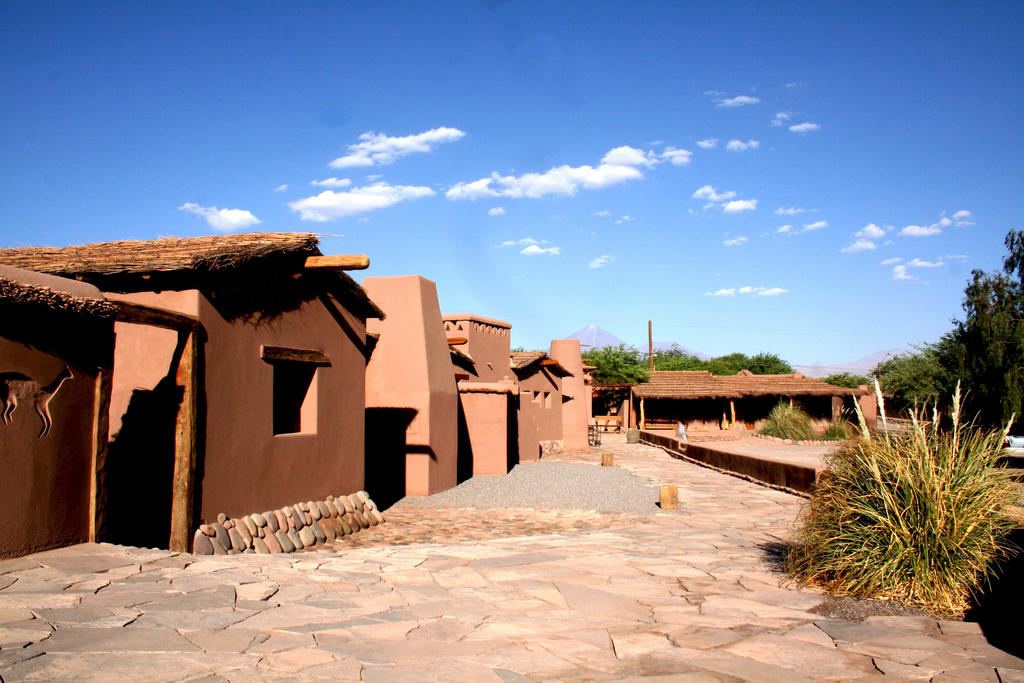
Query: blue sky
551,164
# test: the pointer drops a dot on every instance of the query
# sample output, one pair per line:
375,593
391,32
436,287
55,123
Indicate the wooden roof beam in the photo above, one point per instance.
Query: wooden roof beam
338,262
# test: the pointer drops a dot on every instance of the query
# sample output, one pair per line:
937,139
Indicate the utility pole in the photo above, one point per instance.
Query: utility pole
650,344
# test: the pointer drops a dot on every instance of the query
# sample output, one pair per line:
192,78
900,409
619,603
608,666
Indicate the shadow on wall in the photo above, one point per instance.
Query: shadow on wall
140,468
998,611
386,449
464,469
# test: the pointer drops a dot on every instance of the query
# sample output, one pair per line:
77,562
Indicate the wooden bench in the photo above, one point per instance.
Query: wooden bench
608,423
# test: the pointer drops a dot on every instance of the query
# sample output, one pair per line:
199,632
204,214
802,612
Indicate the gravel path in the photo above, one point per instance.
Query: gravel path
549,486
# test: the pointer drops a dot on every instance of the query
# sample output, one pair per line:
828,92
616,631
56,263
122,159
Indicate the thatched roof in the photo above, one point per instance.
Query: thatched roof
524,361
176,263
686,384
209,253
23,288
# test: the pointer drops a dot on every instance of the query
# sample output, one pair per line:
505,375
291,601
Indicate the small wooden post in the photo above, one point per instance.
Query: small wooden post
669,497
607,459
643,417
185,440
732,412
100,434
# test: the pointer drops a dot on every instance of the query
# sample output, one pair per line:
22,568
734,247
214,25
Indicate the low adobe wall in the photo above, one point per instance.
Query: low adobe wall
773,472
292,528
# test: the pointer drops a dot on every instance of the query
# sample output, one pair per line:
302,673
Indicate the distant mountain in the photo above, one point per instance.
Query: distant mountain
861,366
593,337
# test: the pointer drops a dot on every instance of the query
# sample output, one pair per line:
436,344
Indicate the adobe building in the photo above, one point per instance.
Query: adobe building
410,393
540,402
702,401
488,405
237,381
56,352
576,398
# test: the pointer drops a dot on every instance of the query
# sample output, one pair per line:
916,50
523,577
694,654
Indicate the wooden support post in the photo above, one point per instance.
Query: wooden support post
669,497
607,459
185,443
100,437
643,416
732,413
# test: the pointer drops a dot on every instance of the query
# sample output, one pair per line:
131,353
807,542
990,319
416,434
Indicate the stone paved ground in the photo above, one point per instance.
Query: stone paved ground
688,595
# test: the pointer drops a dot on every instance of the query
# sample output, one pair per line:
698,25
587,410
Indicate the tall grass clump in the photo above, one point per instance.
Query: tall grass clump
786,421
838,429
918,517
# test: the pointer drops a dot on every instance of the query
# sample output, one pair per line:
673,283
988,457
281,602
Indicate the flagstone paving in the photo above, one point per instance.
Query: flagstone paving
486,595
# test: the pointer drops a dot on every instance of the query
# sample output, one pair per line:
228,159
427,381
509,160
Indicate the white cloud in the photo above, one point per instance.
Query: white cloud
496,211
859,245
709,143
624,219
560,180
628,156
816,225
281,188
891,261
522,242
756,291
791,211
602,261
377,148
738,101
954,257
709,193
735,242
534,250
781,117
900,273
805,127
740,205
740,146
921,231
784,229
332,182
918,263
963,217
603,213
873,232
225,220
678,157
329,205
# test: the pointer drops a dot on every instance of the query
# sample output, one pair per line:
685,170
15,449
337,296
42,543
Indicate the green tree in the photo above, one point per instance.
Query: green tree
676,358
986,349
617,365
847,379
769,364
913,378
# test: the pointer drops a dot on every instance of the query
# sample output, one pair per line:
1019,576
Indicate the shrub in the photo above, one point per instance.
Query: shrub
788,421
838,429
919,517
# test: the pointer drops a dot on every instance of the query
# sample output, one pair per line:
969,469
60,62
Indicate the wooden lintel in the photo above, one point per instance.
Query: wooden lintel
549,361
159,317
338,262
455,341
281,353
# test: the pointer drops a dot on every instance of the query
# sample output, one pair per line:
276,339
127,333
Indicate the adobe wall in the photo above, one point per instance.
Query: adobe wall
575,394
490,425
45,482
488,341
411,369
540,418
244,466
